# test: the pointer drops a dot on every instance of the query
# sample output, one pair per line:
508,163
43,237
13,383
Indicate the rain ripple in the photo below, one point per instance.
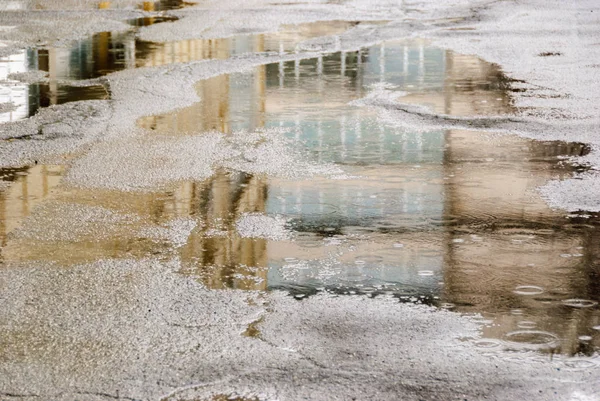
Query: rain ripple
579,303
532,339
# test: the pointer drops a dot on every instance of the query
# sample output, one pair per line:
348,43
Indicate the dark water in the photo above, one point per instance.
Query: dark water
448,217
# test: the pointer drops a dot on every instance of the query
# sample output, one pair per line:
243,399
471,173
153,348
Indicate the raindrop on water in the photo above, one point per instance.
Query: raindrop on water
533,339
528,290
526,324
447,305
362,259
355,277
488,343
579,303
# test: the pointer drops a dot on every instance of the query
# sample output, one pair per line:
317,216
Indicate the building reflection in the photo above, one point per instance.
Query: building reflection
16,93
96,56
485,232
220,257
70,5
108,52
451,214
29,187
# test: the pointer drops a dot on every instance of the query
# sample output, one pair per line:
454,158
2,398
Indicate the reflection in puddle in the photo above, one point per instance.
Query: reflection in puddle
70,5
448,217
229,261
96,56
109,52
252,330
28,188
163,5
147,21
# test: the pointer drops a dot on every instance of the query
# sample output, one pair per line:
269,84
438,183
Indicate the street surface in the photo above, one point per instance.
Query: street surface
299,200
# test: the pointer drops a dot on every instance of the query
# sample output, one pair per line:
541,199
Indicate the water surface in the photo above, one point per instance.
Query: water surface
448,217
108,52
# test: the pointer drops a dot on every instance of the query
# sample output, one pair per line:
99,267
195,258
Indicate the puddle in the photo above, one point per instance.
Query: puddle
147,21
158,5
163,5
253,328
109,52
29,186
448,218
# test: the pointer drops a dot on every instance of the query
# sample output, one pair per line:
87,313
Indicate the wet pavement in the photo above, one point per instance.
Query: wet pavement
448,218
71,72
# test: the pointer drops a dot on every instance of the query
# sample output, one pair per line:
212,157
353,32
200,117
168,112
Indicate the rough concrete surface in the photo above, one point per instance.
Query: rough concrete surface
137,329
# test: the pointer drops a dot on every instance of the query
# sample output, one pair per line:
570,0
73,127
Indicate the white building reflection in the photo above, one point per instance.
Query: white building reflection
13,92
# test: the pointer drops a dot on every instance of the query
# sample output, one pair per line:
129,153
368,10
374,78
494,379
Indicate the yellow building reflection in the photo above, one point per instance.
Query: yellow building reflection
148,6
216,253
29,187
